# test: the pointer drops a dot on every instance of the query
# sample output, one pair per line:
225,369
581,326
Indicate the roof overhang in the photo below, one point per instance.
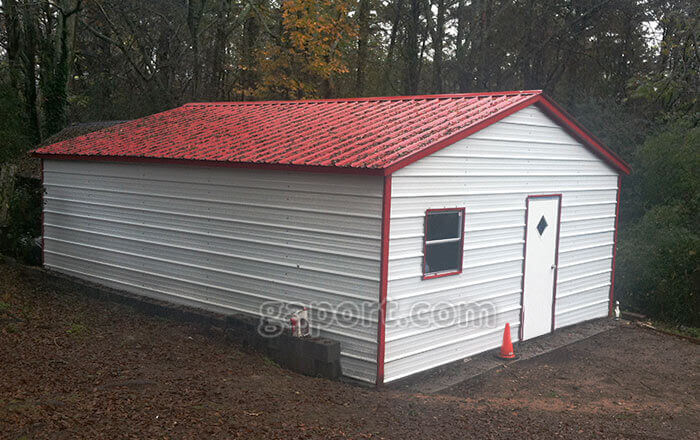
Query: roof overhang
217,164
553,110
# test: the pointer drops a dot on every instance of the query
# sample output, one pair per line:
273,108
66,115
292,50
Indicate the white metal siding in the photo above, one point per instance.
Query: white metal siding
491,173
222,239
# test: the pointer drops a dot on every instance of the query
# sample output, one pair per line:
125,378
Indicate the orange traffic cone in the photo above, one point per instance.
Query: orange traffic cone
507,346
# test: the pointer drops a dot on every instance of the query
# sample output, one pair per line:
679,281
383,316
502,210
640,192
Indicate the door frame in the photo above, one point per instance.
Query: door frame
556,260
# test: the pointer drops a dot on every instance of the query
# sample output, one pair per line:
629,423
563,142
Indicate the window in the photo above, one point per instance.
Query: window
443,246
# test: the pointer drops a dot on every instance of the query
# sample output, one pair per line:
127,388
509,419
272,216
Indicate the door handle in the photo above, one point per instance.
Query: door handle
554,266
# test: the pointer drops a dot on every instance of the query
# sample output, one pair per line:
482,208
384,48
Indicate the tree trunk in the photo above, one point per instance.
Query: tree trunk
7,185
438,43
195,9
392,41
411,49
29,58
218,90
463,77
14,38
251,37
362,43
56,62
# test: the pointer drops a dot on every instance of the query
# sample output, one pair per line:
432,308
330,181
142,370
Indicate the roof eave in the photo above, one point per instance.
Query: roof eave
216,164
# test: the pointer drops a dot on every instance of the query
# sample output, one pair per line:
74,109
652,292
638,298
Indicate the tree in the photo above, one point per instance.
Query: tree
438,40
412,54
56,54
21,23
658,253
669,89
195,10
305,57
13,124
363,24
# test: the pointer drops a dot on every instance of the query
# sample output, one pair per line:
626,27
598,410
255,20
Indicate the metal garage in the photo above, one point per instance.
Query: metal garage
412,228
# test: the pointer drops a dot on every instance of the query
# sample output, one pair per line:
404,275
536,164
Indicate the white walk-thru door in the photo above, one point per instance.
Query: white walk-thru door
541,242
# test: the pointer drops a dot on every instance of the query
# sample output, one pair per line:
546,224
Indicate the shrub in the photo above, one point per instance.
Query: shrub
657,266
665,171
18,239
13,138
668,165
657,261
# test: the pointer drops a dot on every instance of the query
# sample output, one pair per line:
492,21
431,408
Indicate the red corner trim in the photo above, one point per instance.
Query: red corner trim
617,218
461,243
383,279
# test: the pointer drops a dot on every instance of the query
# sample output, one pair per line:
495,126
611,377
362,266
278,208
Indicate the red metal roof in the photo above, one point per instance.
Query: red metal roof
374,135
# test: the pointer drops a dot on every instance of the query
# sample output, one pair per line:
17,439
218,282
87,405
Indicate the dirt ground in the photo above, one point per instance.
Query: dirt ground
76,367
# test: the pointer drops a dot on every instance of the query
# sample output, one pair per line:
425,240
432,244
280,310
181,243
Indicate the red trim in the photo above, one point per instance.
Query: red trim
461,243
213,163
617,218
580,133
537,196
383,278
41,162
556,260
442,274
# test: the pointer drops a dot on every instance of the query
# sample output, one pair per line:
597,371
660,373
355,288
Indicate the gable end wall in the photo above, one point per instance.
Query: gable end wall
491,173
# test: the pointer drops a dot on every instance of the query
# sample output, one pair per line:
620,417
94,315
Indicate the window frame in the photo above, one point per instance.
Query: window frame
431,275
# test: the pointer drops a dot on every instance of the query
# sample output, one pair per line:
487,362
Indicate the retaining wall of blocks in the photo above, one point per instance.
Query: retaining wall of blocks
311,356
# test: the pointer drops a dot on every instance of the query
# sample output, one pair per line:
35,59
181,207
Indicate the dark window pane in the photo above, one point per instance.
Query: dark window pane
542,225
442,257
443,225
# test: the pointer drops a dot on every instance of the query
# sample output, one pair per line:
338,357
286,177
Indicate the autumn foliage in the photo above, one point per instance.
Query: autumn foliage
309,54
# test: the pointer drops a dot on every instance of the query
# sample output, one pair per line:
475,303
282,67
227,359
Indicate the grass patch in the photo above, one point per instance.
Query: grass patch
270,362
4,306
77,330
681,330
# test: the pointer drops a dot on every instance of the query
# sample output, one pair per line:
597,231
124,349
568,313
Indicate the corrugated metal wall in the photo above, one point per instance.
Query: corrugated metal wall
223,239
491,173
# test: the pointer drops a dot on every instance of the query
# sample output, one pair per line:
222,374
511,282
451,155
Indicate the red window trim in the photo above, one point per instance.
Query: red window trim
430,276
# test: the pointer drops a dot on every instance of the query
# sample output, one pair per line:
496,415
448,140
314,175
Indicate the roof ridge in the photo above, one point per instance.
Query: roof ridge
368,99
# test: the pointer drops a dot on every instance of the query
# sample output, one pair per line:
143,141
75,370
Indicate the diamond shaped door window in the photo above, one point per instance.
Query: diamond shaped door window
542,225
